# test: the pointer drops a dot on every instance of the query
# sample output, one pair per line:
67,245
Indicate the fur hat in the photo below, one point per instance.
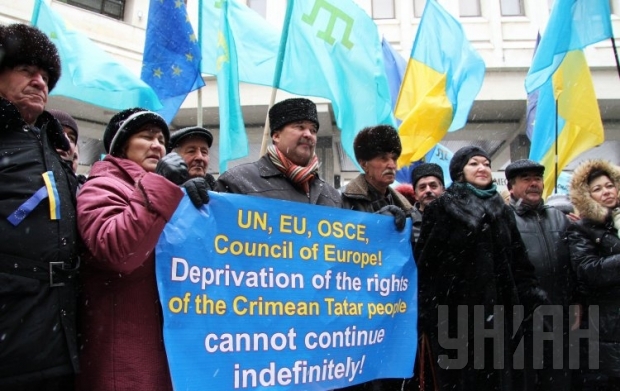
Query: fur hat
21,44
65,120
580,188
373,141
291,110
522,166
176,137
461,157
426,169
127,122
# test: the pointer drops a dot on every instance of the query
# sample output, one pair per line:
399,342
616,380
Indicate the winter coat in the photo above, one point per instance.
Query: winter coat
356,196
595,254
37,314
263,179
122,211
470,253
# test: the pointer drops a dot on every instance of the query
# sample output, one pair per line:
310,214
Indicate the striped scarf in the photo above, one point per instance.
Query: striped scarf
299,175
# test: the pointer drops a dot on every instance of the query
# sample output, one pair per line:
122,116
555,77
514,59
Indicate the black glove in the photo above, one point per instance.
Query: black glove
399,215
197,191
210,181
173,167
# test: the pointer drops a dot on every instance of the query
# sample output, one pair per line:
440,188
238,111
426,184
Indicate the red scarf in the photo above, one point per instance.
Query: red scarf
299,175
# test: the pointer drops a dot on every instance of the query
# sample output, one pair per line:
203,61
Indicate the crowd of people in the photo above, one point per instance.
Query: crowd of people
79,307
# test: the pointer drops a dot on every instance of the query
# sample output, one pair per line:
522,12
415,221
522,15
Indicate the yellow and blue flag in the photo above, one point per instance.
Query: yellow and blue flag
89,74
576,116
171,63
443,77
573,25
256,40
233,138
332,49
395,66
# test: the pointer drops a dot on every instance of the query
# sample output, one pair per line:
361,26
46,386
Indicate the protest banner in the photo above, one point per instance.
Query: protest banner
277,295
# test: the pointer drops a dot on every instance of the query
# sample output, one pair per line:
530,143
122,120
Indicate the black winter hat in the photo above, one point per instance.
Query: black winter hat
424,170
462,156
65,120
373,141
176,137
127,122
291,110
523,165
21,44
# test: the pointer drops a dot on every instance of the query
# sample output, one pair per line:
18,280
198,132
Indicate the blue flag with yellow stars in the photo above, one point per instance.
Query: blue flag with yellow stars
171,64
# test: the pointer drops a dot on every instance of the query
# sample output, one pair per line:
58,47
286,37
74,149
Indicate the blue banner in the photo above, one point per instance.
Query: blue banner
277,295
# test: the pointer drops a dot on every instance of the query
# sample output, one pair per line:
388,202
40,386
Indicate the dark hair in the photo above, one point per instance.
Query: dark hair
595,174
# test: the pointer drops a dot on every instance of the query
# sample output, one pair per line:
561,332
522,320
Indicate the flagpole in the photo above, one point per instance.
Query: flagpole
555,189
613,45
199,119
277,75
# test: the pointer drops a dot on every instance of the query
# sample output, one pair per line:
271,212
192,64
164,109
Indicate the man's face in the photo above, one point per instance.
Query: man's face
427,189
195,151
72,137
297,141
26,87
528,187
381,170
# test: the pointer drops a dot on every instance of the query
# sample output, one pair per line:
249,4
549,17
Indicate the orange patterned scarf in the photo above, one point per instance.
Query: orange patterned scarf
299,175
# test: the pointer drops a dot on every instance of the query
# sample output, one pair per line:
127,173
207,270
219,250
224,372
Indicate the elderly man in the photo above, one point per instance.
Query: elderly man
289,169
428,184
193,145
376,149
543,230
38,251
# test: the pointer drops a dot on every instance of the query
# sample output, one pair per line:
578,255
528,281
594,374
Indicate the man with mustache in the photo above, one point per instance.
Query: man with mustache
428,185
193,145
543,230
289,169
39,246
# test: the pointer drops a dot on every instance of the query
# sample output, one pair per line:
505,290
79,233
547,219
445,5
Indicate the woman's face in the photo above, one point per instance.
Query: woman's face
603,191
477,172
146,147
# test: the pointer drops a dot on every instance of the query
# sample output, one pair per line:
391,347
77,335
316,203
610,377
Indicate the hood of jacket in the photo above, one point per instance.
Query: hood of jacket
587,207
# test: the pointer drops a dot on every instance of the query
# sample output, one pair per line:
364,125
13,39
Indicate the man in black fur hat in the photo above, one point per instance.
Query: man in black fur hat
428,185
289,169
38,250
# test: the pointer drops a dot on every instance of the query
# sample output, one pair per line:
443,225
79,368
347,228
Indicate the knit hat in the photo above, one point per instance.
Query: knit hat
462,156
521,166
373,141
424,170
21,44
65,120
127,122
291,110
176,137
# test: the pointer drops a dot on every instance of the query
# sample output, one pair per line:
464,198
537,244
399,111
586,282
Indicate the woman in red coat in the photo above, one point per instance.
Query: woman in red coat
122,210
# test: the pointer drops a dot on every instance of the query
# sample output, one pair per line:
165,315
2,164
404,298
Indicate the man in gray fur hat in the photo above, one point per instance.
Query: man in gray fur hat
38,250
289,169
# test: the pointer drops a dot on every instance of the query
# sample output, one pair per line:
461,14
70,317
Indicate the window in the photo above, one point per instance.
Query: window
383,9
469,8
418,8
512,7
111,8
259,6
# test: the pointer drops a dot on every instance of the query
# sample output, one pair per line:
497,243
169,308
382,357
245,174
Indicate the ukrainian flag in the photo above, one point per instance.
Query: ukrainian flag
443,77
579,125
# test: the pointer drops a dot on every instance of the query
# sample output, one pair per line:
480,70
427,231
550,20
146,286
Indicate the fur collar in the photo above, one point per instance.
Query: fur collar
358,188
463,205
580,191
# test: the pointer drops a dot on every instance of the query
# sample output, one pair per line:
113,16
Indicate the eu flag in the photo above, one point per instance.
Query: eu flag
171,55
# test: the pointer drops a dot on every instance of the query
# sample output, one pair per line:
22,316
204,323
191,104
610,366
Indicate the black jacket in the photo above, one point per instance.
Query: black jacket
37,320
595,254
470,255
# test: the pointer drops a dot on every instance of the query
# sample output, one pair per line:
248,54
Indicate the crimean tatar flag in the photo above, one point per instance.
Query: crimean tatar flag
443,77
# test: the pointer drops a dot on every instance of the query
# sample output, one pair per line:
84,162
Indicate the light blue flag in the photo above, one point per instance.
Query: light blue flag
573,24
171,63
89,74
332,49
233,138
441,156
257,41
395,66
